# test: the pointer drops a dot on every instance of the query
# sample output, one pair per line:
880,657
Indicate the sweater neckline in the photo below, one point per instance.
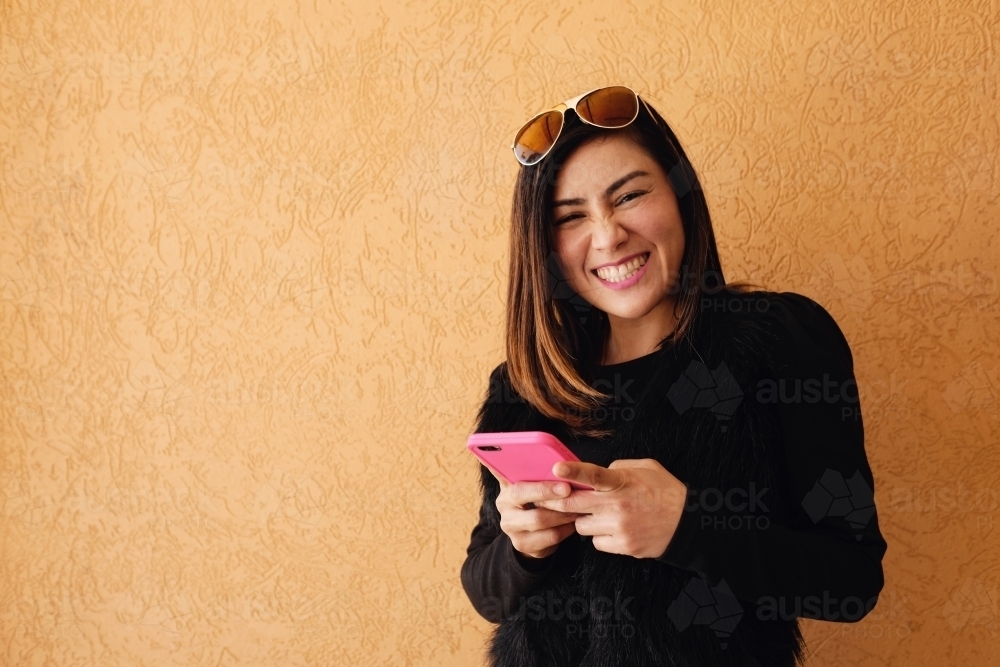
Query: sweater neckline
638,361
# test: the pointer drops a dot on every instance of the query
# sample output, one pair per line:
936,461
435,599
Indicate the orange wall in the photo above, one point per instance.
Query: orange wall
252,272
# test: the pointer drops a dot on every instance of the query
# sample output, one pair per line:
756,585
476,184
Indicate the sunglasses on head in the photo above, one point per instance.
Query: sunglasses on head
611,108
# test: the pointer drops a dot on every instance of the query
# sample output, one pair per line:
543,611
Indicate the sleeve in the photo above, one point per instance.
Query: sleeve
825,561
494,575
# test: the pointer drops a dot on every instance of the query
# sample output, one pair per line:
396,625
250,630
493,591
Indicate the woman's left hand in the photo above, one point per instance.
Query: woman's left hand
633,510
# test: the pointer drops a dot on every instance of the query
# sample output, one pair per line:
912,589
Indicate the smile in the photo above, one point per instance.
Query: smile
622,272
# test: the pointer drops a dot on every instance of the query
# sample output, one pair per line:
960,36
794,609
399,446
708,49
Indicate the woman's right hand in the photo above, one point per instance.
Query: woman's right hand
534,531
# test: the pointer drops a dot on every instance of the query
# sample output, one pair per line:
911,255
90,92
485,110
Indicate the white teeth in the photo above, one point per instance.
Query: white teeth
616,274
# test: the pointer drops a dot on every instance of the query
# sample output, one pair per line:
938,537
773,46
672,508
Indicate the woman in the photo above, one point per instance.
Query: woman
719,426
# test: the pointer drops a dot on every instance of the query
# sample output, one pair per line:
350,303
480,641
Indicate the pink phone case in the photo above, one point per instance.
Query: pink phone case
522,456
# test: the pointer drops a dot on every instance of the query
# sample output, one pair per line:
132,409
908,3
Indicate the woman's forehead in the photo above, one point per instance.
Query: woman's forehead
598,164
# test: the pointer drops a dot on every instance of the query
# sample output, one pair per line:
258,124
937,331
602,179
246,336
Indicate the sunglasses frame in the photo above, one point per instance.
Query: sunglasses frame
562,109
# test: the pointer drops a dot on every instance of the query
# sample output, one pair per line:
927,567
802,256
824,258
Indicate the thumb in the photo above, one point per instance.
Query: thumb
635,463
595,476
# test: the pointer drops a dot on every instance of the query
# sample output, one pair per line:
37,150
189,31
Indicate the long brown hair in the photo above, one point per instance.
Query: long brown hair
554,338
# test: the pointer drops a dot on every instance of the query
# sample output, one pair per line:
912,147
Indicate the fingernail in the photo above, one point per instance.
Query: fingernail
560,489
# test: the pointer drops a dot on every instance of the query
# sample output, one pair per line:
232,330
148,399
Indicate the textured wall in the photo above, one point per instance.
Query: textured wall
252,271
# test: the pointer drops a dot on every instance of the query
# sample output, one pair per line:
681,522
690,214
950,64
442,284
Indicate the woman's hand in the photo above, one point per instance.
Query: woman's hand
633,510
534,532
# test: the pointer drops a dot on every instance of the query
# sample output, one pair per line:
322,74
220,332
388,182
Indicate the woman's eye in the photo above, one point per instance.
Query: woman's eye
568,218
626,198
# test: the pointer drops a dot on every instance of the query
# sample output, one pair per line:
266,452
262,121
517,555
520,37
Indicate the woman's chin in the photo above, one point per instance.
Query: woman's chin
635,308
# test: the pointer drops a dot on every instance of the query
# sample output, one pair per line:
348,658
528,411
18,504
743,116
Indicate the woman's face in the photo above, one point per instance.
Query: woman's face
614,210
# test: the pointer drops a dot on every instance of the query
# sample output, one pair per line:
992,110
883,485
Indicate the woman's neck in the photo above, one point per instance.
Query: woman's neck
633,338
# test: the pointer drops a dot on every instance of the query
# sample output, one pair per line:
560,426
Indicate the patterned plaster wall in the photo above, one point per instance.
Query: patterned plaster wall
252,274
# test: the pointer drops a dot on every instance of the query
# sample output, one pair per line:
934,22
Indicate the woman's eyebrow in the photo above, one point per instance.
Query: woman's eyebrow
607,193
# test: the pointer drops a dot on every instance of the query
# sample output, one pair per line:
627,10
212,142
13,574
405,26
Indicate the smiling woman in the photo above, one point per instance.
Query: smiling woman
586,191
717,518
610,238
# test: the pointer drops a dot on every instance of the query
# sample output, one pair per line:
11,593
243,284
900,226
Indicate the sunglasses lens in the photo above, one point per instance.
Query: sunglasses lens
536,138
616,106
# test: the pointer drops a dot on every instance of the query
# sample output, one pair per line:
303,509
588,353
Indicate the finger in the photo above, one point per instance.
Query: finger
598,477
580,502
543,518
608,544
542,539
536,520
589,524
524,493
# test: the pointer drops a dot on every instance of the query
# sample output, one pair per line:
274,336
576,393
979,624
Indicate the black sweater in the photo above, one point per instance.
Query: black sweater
825,564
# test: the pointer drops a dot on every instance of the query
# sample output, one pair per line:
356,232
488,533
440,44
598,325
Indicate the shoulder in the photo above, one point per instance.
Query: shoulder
497,374
803,331
790,328
812,330
502,406
500,388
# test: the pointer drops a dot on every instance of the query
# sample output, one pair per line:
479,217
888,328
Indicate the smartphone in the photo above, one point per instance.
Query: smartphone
522,456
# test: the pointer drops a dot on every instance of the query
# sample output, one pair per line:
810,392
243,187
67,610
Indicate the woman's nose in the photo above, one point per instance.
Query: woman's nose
608,234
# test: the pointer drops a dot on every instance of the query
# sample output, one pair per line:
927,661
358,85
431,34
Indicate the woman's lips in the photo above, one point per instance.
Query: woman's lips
625,284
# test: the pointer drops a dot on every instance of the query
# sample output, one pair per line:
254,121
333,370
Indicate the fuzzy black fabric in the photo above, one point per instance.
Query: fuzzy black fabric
598,609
